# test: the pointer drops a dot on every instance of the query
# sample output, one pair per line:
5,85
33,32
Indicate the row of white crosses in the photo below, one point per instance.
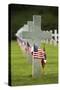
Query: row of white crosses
32,33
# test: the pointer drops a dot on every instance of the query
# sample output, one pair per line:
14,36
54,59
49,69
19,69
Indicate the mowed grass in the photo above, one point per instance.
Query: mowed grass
21,70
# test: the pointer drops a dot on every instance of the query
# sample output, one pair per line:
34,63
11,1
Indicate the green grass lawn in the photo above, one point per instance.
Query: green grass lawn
21,70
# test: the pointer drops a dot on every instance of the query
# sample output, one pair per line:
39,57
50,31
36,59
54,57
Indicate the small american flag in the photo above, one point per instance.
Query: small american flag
39,54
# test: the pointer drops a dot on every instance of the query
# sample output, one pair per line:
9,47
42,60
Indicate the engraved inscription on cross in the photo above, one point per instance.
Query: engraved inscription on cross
34,35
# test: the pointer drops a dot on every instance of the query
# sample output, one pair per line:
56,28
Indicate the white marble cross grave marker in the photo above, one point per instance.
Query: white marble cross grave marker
34,35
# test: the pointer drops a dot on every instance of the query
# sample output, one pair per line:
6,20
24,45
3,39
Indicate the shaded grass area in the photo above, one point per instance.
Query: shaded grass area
21,70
